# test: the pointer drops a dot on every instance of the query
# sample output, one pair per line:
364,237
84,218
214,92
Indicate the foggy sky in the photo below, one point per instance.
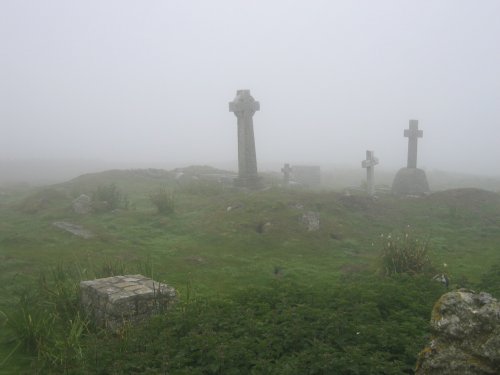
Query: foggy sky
128,80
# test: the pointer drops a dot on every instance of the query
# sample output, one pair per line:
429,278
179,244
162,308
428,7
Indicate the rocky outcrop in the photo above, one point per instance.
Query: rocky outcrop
466,336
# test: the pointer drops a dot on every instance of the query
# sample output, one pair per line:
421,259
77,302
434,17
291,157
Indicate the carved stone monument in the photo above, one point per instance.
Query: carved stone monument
411,180
244,106
370,163
286,173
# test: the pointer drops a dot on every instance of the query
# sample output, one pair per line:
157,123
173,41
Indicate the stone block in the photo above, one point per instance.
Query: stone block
410,181
114,301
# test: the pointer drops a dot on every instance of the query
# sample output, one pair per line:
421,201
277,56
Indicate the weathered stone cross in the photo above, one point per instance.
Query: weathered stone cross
413,134
286,173
244,106
370,163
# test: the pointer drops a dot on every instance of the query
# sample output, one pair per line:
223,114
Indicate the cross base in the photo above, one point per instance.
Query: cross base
252,182
410,181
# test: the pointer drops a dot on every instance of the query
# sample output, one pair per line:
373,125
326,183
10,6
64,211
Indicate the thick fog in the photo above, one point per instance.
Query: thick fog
149,81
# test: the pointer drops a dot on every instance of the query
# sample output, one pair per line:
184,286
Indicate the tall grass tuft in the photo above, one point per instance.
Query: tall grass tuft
108,197
46,320
404,253
163,200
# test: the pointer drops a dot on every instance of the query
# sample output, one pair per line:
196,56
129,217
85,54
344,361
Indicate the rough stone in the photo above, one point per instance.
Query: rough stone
244,107
466,336
82,205
410,181
114,301
310,220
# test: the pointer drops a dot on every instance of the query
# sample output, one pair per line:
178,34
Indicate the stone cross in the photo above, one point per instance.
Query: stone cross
286,173
413,134
370,163
244,106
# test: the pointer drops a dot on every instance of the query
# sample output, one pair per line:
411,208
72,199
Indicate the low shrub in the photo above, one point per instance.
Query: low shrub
163,200
108,197
364,325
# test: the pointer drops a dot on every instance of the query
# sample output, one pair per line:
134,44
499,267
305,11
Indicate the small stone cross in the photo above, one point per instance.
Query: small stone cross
413,134
286,173
370,162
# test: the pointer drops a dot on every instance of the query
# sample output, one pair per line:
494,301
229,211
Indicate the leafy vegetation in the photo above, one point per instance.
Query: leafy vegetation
360,326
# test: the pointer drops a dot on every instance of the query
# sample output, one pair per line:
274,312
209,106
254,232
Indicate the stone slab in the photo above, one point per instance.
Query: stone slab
114,301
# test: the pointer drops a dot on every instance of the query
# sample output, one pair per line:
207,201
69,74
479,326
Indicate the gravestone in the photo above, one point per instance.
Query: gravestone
82,205
286,173
244,107
306,175
370,163
411,180
114,301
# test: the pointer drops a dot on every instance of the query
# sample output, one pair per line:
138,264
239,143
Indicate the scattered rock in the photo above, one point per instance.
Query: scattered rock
234,207
466,337
262,227
310,220
75,229
82,205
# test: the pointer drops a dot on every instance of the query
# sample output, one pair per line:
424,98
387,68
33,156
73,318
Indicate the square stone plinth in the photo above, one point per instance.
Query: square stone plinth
113,301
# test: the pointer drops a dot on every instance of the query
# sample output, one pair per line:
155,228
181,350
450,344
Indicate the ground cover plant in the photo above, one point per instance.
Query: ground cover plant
259,292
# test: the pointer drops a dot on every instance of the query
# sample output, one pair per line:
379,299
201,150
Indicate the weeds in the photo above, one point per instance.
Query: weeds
47,321
404,253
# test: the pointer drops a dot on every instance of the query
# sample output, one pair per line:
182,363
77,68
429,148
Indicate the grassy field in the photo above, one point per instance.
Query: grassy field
221,243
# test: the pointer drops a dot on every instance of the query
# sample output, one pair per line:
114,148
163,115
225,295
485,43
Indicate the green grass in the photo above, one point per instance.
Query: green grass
222,254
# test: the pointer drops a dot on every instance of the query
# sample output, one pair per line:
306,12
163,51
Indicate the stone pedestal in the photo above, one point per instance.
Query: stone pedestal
410,181
114,301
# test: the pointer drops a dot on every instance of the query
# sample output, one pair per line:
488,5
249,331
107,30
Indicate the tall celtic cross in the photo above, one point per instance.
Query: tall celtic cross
244,106
413,134
370,163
